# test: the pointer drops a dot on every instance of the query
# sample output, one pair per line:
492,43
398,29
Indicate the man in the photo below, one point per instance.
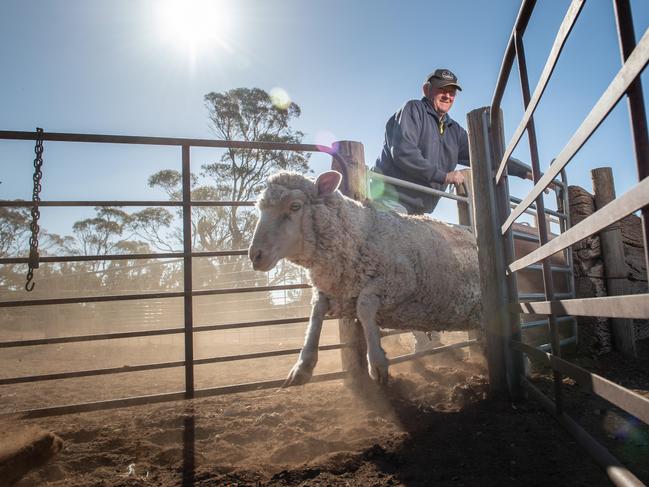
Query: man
423,145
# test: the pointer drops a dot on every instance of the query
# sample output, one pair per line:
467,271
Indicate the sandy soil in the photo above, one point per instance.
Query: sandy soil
432,425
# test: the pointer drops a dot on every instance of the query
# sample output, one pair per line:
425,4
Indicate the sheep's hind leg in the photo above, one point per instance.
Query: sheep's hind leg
366,309
303,369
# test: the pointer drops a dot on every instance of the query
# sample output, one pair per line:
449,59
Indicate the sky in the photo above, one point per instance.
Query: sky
123,67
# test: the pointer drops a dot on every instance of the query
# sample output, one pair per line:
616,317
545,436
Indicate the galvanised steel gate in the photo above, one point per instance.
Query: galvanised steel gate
187,294
489,155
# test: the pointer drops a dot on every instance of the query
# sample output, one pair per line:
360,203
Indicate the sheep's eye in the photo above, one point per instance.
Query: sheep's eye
296,206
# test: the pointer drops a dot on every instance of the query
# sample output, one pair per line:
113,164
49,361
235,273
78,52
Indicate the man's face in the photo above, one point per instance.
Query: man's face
442,98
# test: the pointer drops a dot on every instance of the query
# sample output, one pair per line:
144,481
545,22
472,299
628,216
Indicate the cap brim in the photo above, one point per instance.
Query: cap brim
443,84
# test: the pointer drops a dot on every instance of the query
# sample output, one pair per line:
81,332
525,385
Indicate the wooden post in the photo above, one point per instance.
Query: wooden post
504,366
350,330
614,262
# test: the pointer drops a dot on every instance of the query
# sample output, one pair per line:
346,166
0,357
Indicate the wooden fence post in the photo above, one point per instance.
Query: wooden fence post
350,330
500,321
614,262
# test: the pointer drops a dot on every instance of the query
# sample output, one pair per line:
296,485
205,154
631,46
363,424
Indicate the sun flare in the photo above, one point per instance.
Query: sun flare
194,24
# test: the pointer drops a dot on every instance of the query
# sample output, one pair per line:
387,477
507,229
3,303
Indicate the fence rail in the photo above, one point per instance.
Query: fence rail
188,293
490,143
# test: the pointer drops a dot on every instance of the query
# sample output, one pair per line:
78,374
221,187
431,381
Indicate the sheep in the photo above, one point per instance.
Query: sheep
384,269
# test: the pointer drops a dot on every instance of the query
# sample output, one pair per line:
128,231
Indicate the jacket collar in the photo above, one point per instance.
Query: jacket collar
429,108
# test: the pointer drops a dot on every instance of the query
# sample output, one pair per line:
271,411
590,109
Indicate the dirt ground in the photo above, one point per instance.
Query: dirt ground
432,425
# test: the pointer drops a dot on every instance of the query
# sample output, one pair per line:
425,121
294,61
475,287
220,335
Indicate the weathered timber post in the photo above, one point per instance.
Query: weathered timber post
490,203
614,262
351,333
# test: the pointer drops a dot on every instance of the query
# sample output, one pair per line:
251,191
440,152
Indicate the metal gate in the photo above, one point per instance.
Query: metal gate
188,330
494,219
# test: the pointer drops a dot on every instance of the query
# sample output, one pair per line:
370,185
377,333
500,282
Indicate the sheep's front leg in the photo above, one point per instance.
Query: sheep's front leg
303,369
366,308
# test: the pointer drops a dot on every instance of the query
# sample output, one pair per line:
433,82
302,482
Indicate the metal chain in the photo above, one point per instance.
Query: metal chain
36,214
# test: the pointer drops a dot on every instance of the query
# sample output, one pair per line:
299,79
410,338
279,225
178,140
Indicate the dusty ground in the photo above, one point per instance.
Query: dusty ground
432,425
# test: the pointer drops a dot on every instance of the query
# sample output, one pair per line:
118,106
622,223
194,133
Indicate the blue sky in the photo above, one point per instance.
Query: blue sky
112,67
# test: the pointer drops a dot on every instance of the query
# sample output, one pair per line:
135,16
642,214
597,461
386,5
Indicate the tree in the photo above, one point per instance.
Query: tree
247,115
14,236
250,115
14,230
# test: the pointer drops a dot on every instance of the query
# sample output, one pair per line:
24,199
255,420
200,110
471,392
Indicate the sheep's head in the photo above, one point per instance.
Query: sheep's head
283,207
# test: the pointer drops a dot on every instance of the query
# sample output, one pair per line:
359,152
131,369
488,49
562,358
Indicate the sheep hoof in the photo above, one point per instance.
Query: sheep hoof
379,374
299,374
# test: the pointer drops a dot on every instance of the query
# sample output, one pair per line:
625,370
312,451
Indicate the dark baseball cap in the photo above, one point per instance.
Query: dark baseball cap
443,77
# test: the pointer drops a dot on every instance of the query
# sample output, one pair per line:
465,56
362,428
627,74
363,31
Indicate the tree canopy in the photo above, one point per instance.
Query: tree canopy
235,175
241,114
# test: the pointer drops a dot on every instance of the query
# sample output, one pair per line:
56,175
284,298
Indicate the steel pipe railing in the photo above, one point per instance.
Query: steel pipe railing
626,204
560,40
186,255
131,297
618,87
161,365
427,190
158,398
627,81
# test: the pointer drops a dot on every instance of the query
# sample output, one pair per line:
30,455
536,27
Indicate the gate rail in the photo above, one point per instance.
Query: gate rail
187,293
506,362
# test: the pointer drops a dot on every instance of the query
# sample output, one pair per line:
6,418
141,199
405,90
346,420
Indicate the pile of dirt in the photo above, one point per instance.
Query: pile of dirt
23,448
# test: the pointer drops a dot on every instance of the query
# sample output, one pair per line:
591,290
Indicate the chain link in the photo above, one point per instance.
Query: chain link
36,213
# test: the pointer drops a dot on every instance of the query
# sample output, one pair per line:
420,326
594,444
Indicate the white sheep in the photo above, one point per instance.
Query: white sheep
386,269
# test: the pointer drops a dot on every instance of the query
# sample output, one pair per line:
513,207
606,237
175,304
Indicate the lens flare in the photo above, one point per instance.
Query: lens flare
325,139
280,98
377,188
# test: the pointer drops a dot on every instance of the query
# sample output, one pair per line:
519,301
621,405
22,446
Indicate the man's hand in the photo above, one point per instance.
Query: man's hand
454,177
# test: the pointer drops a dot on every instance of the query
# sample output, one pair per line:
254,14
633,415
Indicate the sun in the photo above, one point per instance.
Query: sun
194,24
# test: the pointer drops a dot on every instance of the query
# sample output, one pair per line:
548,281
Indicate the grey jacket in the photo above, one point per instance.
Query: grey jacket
417,150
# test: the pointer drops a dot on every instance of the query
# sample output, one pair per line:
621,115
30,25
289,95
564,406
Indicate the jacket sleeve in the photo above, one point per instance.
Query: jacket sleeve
405,150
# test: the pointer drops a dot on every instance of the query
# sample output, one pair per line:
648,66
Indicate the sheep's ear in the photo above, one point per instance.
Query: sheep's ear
328,182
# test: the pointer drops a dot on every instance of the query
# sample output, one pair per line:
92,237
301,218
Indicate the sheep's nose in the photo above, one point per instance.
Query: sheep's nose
255,256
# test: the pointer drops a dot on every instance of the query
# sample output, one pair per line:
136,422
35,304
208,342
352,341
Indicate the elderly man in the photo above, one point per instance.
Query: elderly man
423,145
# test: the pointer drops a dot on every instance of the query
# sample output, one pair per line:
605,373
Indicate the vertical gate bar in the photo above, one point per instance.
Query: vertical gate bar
187,273
564,225
495,138
637,112
522,19
465,217
540,213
